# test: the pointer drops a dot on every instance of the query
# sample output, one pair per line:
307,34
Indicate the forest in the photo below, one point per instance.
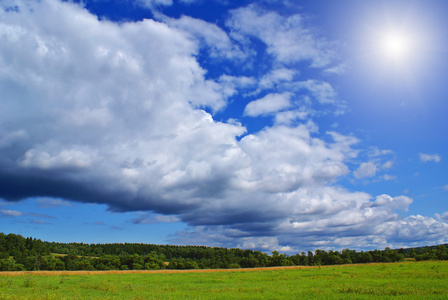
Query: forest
18,253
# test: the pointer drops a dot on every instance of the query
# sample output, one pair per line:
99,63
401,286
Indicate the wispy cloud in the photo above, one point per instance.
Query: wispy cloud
430,157
366,169
16,213
148,218
11,213
442,217
97,223
39,222
40,216
210,36
388,177
52,202
387,165
152,4
287,38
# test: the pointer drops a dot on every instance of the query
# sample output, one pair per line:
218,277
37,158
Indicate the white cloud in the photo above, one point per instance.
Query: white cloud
416,229
337,70
213,37
270,103
430,157
34,158
288,117
290,158
371,168
276,76
52,202
400,202
387,165
148,218
11,213
288,41
230,85
442,217
154,3
322,91
389,177
332,218
344,143
366,169
106,100
374,152
287,38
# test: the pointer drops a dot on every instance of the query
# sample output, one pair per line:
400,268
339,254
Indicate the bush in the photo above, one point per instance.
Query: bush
9,264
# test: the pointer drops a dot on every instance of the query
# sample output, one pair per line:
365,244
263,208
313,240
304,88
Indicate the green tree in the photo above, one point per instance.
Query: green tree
9,264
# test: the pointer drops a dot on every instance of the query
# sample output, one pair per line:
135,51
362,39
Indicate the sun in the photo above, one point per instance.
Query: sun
392,45
395,46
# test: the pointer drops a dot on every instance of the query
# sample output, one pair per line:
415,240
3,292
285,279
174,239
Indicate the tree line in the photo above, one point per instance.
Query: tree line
18,253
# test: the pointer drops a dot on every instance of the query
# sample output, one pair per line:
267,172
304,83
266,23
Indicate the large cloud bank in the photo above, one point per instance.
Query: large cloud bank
122,114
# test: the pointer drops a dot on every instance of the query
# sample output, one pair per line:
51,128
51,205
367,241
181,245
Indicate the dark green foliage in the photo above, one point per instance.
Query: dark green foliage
9,264
19,253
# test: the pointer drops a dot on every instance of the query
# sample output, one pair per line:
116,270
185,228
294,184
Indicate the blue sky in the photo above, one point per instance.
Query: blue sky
269,125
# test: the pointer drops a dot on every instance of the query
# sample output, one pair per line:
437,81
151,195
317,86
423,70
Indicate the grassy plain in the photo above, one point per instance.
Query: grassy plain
406,280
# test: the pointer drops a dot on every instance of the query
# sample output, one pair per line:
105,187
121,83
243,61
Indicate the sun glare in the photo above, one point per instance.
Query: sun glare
395,46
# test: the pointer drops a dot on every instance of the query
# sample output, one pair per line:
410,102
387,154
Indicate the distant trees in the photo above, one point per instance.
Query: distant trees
9,264
19,253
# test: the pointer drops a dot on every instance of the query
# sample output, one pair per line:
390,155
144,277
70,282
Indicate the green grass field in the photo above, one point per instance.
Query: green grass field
409,280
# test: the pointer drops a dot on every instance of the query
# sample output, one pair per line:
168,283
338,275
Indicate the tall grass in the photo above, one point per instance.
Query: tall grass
416,280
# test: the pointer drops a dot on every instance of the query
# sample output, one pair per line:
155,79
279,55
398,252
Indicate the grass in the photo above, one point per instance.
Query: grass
407,280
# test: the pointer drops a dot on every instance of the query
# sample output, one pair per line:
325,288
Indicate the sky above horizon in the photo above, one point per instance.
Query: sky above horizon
266,125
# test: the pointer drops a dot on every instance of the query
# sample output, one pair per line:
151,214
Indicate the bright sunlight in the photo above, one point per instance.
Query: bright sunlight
395,46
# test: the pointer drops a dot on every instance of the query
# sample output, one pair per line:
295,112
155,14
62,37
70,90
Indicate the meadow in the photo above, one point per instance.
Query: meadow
415,280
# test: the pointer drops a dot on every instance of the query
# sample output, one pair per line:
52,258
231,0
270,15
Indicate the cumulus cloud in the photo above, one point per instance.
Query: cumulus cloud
270,103
373,167
442,217
335,219
414,230
322,91
288,41
230,85
366,169
287,38
430,157
288,117
210,36
275,77
122,114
